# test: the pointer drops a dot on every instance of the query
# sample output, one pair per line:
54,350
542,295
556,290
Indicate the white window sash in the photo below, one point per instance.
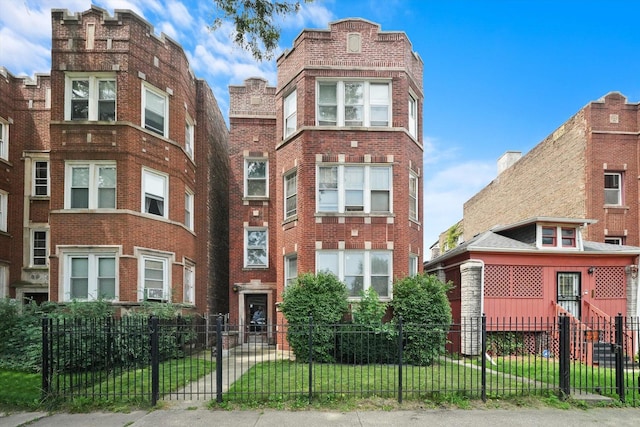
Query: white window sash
354,188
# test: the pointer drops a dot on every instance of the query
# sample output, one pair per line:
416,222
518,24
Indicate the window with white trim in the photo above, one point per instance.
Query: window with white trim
413,117
90,185
155,110
556,236
188,209
189,129
256,181
256,252
155,278
189,291
413,196
90,276
413,265
613,188
39,246
4,274
290,114
291,194
353,103
290,269
4,139
614,240
40,178
359,270
90,97
155,193
4,197
354,188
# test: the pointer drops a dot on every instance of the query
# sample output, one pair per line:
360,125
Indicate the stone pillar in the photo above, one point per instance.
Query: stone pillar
632,290
470,307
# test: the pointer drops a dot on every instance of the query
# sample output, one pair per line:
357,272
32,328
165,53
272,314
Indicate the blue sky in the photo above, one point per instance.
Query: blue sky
498,74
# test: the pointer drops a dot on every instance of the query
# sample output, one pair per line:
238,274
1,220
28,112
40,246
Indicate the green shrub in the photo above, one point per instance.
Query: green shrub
505,343
324,298
422,303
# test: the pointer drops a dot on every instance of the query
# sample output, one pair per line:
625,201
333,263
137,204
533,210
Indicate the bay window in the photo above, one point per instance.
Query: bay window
353,103
359,270
354,188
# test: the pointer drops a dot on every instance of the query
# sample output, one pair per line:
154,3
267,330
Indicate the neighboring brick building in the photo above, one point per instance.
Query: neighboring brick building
326,168
587,168
116,178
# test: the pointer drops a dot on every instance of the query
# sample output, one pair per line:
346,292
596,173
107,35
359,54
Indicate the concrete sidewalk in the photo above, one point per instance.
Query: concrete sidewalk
432,417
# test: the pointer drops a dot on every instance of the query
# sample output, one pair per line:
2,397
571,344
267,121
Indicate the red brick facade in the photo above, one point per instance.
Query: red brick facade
564,176
171,247
351,50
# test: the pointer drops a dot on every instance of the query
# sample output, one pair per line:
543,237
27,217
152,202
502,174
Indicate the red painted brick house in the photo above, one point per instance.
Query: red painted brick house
326,167
108,181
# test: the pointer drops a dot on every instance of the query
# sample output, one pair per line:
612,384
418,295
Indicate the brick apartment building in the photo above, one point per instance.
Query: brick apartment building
113,173
587,168
326,168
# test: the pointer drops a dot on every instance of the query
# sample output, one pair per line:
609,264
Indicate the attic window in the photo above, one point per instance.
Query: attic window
552,236
549,236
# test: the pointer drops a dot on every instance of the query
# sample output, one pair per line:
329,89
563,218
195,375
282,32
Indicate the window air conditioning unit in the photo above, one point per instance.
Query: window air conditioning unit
155,293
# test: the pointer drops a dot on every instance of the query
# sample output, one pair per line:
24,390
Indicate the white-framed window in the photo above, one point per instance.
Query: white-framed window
40,178
4,280
90,275
4,197
39,248
290,269
4,139
413,265
290,114
155,193
353,103
90,185
256,178
155,278
189,291
256,244
188,209
291,194
155,110
413,196
90,97
359,270
613,188
413,117
614,240
353,188
556,236
189,130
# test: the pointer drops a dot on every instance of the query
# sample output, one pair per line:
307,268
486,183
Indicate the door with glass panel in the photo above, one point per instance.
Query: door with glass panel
569,293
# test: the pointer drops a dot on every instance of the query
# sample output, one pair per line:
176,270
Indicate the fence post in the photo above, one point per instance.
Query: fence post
400,340
564,350
219,358
155,360
483,356
310,357
619,352
46,354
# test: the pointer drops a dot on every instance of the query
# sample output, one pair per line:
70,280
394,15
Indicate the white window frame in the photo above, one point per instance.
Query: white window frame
146,89
93,257
614,240
147,176
290,269
248,247
164,280
341,190
413,116
413,265
94,186
559,237
414,186
290,114
4,206
93,100
189,284
343,261
189,136
291,194
247,178
36,252
188,209
4,280
4,139
367,104
37,181
613,191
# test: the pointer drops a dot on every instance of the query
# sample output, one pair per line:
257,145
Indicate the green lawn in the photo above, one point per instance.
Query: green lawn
19,389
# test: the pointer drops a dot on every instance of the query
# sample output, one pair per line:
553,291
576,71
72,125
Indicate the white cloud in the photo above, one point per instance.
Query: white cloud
12,54
179,14
310,15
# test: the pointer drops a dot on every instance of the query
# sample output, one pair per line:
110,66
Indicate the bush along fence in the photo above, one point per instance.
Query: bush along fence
144,360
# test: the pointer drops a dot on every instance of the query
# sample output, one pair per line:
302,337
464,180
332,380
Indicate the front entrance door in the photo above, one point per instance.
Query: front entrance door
256,317
569,293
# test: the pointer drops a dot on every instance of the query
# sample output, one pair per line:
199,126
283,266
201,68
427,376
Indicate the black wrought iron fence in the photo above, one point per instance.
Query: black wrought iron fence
148,359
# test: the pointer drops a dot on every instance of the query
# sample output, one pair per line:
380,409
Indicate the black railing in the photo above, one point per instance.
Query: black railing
144,360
